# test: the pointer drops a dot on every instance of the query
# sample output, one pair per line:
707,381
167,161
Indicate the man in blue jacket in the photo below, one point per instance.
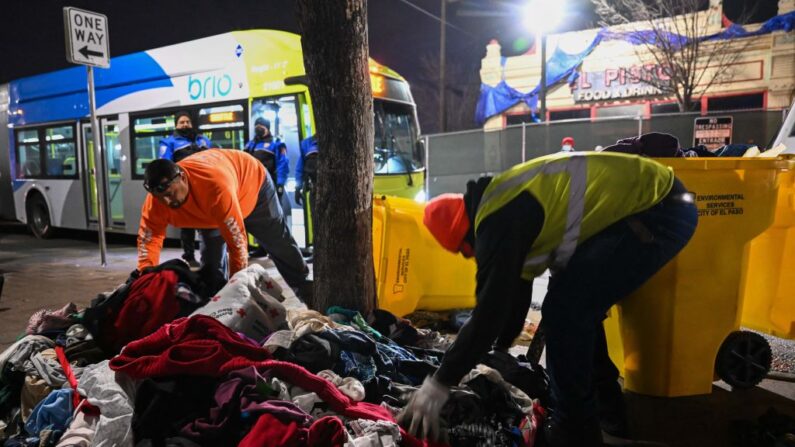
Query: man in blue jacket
271,152
305,180
175,147
184,141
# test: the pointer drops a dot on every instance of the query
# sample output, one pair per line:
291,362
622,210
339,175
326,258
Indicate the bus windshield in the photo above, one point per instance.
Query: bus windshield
397,150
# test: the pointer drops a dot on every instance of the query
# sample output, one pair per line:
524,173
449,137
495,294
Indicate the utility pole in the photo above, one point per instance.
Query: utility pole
543,77
442,51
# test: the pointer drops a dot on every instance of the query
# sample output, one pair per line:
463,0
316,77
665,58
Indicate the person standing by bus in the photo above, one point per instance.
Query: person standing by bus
271,152
183,142
305,181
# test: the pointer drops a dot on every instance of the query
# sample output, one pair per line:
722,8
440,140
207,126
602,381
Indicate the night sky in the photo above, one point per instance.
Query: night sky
32,36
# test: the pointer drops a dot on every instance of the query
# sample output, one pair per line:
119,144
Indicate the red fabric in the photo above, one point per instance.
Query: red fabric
70,377
725,22
269,431
150,303
446,219
567,140
327,431
202,346
195,346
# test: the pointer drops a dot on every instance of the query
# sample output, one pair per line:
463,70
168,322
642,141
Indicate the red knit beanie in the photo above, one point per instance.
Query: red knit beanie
446,219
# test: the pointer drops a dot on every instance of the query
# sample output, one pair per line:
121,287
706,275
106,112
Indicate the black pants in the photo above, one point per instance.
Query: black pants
187,237
268,225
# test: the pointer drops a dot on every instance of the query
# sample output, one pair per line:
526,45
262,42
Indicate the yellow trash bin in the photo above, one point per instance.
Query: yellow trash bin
666,336
768,287
412,270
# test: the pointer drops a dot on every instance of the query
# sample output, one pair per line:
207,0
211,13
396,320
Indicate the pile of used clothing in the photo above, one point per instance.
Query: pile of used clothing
166,360
656,145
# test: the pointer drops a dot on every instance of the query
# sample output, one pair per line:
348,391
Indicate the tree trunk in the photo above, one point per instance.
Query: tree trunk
334,40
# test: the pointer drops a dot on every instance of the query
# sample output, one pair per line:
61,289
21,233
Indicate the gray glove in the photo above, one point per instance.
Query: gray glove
422,412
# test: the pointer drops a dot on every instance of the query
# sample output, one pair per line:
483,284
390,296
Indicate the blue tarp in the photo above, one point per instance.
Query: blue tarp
497,99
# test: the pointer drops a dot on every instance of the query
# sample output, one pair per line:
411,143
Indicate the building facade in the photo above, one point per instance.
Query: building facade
611,77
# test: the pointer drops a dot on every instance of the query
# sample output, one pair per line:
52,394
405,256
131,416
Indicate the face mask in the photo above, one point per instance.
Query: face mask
566,148
260,131
186,132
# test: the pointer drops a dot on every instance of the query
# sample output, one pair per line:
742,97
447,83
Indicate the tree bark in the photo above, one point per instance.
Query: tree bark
334,40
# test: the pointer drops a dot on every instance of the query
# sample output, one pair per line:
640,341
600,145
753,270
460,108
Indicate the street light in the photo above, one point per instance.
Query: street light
540,17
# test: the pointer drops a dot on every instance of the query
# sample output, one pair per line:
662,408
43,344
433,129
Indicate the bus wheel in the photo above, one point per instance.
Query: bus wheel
39,217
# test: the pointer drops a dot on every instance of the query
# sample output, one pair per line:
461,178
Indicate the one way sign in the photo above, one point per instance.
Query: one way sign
86,37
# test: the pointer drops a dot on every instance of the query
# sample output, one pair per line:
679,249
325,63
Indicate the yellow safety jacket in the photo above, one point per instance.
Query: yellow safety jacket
581,193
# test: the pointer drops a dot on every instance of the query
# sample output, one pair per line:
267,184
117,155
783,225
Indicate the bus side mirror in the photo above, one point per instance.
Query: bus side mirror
419,147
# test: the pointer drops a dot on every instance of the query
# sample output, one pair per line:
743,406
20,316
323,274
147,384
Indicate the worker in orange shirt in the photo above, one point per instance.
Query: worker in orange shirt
223,193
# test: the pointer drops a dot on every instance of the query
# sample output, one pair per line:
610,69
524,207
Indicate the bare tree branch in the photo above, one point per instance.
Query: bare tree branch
692,64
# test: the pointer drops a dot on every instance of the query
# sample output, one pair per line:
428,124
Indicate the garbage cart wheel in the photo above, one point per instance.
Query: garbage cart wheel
743,359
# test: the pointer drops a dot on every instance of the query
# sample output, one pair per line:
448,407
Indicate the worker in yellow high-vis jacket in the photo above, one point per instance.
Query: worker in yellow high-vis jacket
603,224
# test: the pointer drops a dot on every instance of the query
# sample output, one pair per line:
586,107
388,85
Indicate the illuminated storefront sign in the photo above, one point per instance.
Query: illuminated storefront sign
619,83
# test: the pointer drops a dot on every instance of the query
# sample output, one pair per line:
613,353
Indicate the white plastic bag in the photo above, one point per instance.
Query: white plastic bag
249,303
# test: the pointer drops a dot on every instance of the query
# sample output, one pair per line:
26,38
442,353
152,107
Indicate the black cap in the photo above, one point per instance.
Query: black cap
182,113
159,170
262,122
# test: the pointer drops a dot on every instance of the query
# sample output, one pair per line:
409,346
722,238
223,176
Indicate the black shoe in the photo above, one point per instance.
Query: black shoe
191,261
572,434
612,410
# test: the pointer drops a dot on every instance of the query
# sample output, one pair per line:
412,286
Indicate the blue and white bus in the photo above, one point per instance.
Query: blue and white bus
226,81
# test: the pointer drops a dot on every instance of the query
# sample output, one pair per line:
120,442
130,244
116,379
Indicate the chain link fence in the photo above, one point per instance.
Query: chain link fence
454,158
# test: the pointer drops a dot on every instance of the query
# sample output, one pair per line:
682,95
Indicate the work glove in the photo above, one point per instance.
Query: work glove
299,195
280,190
422,412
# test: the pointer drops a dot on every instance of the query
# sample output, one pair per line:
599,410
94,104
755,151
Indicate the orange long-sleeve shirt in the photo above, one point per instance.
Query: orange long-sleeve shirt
224,185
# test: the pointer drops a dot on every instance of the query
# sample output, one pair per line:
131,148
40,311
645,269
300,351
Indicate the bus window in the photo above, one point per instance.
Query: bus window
147,133
225,126
28,157
61,156
396,149
282,112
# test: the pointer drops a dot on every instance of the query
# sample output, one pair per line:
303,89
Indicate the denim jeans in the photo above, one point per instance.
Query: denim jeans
603,270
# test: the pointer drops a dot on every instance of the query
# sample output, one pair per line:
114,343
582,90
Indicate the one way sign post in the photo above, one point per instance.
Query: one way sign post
87,44
86,37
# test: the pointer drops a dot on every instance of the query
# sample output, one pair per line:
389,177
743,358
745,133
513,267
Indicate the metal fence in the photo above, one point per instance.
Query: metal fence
454,158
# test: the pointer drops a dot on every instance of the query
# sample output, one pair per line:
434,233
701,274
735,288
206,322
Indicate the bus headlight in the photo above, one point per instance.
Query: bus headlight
421,197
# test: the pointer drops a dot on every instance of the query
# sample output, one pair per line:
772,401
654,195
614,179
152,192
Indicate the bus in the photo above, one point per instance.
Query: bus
226,81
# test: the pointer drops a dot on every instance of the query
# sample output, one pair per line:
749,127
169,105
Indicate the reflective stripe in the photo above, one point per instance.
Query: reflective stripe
578,171
577,168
